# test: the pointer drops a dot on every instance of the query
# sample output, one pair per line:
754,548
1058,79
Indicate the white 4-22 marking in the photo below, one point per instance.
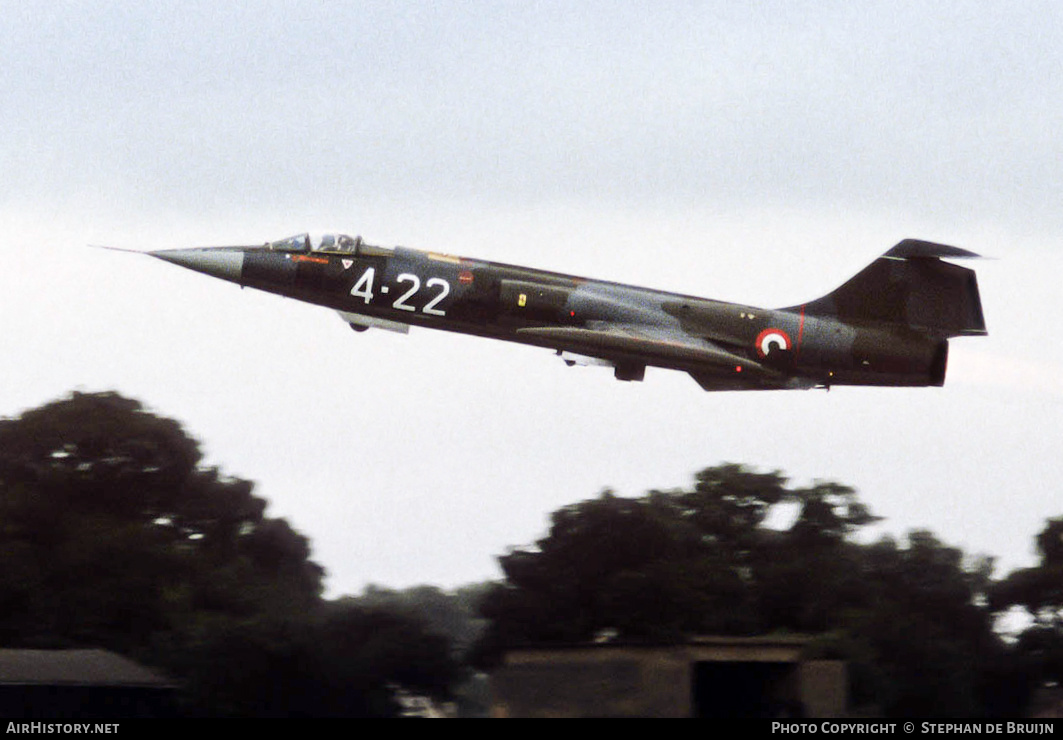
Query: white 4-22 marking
444,290
363,288
400,302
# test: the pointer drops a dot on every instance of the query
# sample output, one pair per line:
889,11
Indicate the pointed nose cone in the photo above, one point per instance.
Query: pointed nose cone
224,263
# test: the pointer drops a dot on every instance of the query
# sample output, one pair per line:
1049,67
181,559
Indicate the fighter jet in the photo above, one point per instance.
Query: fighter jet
887,326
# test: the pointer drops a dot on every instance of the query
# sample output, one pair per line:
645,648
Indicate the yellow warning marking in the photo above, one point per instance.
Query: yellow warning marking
444,258
522,300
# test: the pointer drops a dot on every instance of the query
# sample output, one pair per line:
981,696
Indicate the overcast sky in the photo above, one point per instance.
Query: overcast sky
759,152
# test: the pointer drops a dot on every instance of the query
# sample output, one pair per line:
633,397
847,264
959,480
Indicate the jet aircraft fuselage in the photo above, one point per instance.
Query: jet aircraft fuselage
889,325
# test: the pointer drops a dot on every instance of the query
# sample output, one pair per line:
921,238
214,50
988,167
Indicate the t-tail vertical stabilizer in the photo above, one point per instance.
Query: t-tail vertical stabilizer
910,286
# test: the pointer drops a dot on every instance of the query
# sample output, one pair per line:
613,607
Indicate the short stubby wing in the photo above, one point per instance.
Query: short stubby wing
712,366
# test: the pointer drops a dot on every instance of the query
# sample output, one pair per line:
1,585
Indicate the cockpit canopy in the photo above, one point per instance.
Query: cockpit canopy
319,242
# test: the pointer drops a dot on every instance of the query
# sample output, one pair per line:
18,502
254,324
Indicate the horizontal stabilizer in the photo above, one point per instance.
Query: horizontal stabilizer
916,248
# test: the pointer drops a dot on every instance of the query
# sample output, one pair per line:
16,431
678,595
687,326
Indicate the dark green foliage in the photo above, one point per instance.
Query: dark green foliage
341,661
112,535
454,614
704,561
928,644
111,532
1050,543
1039,592
678,563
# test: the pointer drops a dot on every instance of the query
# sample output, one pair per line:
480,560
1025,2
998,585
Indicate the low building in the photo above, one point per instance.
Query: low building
705,677
80,684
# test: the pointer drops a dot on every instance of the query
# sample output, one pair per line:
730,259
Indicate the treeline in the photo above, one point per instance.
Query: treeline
113,535
914,619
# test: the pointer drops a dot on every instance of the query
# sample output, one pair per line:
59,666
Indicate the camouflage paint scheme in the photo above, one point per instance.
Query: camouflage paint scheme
888,326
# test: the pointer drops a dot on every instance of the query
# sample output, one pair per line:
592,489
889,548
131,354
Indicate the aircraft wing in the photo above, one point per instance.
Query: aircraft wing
634,341
712,366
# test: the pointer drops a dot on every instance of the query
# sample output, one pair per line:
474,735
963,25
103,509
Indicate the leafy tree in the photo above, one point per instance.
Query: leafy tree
1039,592
675,564
924,641
375,647
111,532
342,661
113,535
454,613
